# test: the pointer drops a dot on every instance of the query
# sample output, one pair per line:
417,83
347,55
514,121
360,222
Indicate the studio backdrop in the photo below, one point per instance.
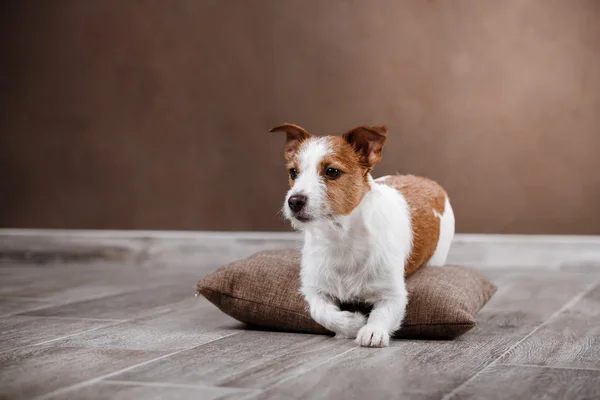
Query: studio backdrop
154,114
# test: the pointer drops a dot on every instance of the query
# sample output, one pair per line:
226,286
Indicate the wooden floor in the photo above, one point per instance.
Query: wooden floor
106,318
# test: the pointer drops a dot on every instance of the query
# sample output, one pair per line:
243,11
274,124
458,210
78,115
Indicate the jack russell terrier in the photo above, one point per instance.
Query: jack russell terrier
361,236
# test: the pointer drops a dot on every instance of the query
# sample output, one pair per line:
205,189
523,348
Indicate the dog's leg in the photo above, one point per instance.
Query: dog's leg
385,318
344,324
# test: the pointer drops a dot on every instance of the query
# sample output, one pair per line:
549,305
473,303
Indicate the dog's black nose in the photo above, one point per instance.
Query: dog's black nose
297,202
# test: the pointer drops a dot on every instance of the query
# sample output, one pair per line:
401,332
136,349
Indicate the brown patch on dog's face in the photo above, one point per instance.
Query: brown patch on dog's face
295,137
344,176
293,167
354,154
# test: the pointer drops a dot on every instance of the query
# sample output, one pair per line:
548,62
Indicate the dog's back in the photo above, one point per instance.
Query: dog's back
432,219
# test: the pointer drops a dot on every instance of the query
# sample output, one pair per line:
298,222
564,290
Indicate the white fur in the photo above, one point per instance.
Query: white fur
446,236
360,257
309,182
357,257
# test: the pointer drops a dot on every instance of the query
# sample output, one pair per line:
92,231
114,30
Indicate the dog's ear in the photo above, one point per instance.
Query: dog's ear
294,136
367,141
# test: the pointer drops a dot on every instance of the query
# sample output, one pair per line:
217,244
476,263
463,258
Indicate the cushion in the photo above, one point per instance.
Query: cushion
263,290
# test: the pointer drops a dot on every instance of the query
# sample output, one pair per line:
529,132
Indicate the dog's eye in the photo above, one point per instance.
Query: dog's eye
293,173
332,172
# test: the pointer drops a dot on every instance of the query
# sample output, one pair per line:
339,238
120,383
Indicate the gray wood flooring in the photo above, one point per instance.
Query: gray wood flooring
117,319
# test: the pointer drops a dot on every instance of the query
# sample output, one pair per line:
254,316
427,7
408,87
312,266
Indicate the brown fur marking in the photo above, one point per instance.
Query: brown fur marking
295,136
423,197
368,142
345,192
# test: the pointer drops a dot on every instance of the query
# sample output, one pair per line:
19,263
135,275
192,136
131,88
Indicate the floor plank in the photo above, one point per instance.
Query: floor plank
19,331
429,369
130,390
251,359
572,339
69,283
182,325
514,382
15,305
37,370
48,248
128,305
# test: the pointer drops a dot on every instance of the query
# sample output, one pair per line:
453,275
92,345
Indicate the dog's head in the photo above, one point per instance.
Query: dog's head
328,175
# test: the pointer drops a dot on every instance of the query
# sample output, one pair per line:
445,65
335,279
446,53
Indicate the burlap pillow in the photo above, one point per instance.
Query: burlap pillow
262,290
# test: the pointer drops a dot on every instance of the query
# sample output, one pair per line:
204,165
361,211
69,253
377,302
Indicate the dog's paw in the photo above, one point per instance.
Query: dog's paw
349,325
373,336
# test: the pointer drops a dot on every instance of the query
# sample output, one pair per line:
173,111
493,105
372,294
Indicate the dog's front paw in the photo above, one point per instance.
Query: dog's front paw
373,336
349,325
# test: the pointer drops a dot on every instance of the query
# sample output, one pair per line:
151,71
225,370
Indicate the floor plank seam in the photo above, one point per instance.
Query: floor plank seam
23,314
97,379
548,367
312,368
177,385
9,297
565,307
20,313
59,338
68,302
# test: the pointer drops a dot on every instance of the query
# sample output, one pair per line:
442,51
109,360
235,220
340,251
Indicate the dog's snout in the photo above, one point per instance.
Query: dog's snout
297,202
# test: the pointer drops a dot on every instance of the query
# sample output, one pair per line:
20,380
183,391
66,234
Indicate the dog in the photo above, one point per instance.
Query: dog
362,236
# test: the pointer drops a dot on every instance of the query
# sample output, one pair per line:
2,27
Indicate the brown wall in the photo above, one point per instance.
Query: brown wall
154,114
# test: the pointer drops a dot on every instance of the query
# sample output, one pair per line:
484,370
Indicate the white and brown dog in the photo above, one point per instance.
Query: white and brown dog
361,236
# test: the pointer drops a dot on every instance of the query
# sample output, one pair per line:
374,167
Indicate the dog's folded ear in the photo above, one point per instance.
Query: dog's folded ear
368,142
294,136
